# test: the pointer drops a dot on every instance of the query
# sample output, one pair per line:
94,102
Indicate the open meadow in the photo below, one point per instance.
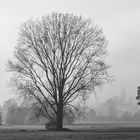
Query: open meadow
79,132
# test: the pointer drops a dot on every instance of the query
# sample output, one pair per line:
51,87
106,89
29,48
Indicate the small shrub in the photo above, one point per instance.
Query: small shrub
50,125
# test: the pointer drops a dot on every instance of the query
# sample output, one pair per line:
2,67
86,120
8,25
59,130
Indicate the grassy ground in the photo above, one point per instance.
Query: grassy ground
39,133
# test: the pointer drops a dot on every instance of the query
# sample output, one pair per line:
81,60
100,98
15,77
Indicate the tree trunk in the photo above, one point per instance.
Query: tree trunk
59,123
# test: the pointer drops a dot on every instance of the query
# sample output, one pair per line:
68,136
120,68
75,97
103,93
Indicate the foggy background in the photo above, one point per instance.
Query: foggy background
118,109
120,21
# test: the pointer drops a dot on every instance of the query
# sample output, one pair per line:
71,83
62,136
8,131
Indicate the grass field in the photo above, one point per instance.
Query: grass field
80,132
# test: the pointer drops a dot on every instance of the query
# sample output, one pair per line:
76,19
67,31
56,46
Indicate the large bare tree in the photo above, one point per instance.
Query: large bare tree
59,60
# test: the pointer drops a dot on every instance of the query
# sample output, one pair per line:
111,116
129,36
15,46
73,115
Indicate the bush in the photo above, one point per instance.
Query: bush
50,125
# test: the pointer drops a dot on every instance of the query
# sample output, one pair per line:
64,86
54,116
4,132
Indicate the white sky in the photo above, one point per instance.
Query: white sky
120,20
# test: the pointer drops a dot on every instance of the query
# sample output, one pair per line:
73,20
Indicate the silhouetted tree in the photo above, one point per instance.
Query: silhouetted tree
138,95
59,60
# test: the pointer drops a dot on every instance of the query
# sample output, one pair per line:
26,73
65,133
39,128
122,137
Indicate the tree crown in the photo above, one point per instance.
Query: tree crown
59,59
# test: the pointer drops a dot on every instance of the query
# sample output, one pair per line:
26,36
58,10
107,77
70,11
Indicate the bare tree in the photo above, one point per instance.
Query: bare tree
59,60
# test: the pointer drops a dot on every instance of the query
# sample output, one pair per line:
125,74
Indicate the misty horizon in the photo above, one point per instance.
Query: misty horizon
117,109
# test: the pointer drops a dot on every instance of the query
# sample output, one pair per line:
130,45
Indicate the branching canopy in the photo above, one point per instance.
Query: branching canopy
58,59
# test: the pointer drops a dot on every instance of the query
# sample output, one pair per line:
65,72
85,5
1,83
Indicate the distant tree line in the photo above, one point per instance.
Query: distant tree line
93,116
118,108
14,112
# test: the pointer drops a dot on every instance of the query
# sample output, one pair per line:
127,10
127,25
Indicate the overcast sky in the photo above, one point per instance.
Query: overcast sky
120,20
